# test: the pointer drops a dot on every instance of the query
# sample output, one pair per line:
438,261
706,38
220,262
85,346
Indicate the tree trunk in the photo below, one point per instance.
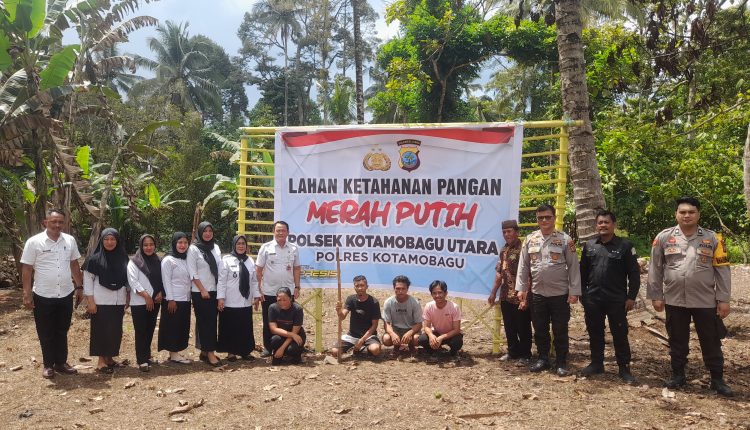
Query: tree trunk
746,170
96,229
286,78
40,183
358,71
584,172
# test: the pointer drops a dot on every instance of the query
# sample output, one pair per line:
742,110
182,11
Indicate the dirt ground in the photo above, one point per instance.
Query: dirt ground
478,392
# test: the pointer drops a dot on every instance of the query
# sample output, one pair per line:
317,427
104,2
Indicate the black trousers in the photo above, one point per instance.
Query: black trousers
144,324
265,304
52,317
554,310
710,331
455,343
206,320
517,325
293,351
614,312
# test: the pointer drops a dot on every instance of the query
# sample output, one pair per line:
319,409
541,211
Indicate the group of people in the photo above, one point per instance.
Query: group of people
537,280
407,325
222,291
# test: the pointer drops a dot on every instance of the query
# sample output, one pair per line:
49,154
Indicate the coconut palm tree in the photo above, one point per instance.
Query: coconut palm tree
183,72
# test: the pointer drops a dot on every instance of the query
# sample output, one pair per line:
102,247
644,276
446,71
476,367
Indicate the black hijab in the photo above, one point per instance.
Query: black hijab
111,267
175,238
206,247
150,265
244,273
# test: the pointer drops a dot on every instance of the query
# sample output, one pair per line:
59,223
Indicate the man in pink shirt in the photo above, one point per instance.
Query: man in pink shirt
442,322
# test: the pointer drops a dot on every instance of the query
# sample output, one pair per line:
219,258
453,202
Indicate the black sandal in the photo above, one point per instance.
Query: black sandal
105,370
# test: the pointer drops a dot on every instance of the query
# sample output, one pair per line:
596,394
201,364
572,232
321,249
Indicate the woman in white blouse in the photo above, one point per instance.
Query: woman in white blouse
174,327
237,291
203,260
105,281
147,291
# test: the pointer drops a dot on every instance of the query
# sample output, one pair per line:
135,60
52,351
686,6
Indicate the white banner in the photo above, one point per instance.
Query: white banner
425,202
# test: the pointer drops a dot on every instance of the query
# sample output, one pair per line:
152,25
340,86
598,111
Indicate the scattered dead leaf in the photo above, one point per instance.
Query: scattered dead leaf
84,359
342,411
530,396
667,394
178,419
486,415
130,384
273,399
16,368
269,387
312,376
96,410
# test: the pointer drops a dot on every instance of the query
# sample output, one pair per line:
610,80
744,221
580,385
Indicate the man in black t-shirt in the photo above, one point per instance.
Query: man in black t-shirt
363,324
285,322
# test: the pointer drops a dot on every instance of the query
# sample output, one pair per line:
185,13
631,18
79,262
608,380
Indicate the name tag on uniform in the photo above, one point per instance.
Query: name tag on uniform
706,252
672,250
533,249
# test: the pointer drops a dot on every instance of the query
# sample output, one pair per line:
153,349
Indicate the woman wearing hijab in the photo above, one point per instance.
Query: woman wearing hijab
105,279
203,259
285,321
174,328
147,291
236,291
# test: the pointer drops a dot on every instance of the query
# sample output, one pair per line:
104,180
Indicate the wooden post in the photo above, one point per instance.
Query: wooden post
338,278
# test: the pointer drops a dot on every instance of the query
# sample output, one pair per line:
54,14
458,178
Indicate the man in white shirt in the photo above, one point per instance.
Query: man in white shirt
277,266
50,262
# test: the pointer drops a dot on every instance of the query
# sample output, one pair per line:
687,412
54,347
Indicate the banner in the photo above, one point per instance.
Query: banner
425,202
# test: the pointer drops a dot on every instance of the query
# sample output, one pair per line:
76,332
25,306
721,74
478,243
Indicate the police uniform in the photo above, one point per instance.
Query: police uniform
691,275
610,275
551,265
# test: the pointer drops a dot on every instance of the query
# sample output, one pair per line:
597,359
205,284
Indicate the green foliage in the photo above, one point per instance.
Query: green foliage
56,72
83,158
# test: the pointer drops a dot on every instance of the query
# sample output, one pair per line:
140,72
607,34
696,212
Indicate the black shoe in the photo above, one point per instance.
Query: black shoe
592,369
265,353
625,374
539,365
721,388
562,370
678,380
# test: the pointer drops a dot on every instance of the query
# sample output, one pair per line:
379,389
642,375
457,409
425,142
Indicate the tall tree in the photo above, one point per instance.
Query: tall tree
279,21
183,71
584,171
358,67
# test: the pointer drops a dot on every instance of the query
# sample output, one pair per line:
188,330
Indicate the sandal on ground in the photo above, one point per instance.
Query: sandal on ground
217,363
231,358
114,364
179,360
145,367
105,370
248,357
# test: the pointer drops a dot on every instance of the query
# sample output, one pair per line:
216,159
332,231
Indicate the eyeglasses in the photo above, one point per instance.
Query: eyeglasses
545,217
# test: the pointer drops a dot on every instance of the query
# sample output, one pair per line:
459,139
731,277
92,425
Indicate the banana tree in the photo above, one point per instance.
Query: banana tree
109,181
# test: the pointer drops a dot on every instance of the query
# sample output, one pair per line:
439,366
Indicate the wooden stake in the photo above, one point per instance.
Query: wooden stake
338,278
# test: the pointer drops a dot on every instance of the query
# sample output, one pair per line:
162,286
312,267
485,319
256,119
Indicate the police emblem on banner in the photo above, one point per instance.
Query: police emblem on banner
376,160
408,154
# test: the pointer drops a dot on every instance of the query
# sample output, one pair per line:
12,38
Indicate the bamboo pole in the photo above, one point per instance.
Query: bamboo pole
338,278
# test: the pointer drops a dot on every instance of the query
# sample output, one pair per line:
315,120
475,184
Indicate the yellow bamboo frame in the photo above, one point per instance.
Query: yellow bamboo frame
560,182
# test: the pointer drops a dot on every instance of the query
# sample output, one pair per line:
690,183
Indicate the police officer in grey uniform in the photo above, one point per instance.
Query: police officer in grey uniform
548,259
689,276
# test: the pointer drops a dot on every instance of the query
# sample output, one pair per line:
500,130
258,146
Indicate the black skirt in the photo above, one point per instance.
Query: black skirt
106,330
205,320
236,331
174,329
